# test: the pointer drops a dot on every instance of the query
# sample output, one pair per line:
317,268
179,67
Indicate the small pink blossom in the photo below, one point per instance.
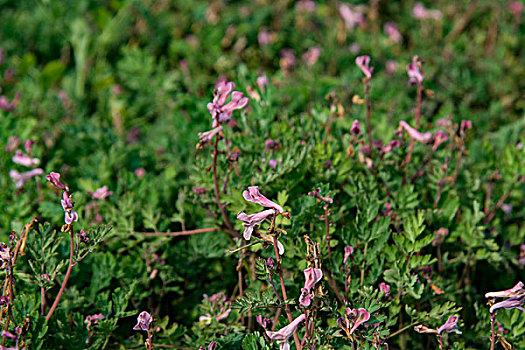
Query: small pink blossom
250,221
272,163
516,8
354,48
271,145
305,6
465,125
212,346
143,321
93,319
450,326
263,321
265,37
350,17
312,55
414,134
515,298
353,318
21,178
262,82
517,290
363,63
140,172
221,111
439,138
5,105
356,127
415,77
420,12
312,277
12,144
440,236
253,195
384,288
207,136
28,144
282,336
393,33
391,146
390,67
54,178
348,251
24,159
288,60
101,193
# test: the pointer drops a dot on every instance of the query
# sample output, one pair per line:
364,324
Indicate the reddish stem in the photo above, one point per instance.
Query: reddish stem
216,184
368,128
327,228
66,277
180,233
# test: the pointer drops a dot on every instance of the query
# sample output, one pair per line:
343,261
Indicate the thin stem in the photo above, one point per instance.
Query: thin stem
440,184
216,184
492,332
418,116
347,287
440,341
401,330
270,280
363,264
66,277
283,290
327,228
368,128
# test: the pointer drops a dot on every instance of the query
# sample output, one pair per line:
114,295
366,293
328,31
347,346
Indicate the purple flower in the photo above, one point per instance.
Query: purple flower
420,12
391,67
21,178
54,178
517,290
221,111
439,138
4,255
414,134
305,299
312,276
24,159
356,127
450,326
270,145
212,346
440,236
348,251
28,144
253,195
312,55
5,105
272,163
391,146
515,298
262,82
93,319
415,77
363,63
465,125
143,321
140,172
207,136
391,30
351,18
384,288
249,221
282,336
199,190
263,321
516,7
354,318
101,193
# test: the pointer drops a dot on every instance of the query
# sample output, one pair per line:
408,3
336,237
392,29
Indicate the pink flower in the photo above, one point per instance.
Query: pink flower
450,326
391,146
140,172
420,12
312,55
439,138
515,298
220,111
28,144
21,178
67,205
249,221
516,7
199,190
348,251
305,6
270,145
253,195
143,321
353,318
101,193
93,319
263,321
465,125
384,288
391,67
351,18
391,30
262,82
25,160
440,236
521,259
265,37
415,77
312,277
212,346
5,105
414,134
54,178
356,127
282,336
207,136
272,163
363,63
287,61
12,143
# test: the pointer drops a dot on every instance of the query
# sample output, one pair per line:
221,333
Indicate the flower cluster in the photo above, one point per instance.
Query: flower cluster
282,336
515,298
70,215
352,319
220,308
143,321
312,277
23,159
